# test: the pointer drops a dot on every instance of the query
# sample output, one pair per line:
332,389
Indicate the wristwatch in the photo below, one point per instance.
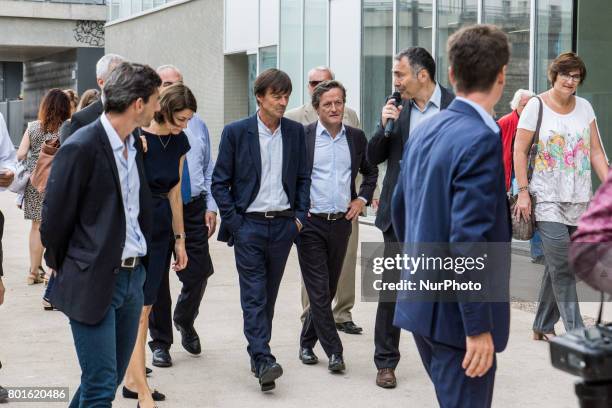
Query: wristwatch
179,236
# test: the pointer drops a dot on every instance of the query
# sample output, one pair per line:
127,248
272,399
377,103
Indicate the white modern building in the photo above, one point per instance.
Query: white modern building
222,45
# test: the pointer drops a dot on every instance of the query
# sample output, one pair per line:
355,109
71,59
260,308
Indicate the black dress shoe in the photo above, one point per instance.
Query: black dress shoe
127,393
148,371
349,327
268,372
336,363
3,394
308,356
161,358
189,339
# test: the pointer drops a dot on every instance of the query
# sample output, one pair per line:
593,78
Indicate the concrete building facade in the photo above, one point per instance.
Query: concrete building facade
357,39
187,34
47,44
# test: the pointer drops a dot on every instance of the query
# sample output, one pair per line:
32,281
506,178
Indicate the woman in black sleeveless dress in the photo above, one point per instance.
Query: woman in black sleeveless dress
166,145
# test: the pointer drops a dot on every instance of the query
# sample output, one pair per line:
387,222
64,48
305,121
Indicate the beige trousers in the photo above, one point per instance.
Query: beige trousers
345,295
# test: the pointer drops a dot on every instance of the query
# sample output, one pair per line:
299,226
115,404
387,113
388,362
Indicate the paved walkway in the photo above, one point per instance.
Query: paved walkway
36,348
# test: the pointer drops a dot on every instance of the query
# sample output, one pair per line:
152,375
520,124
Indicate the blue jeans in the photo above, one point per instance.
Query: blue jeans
49,287
104,349
536,245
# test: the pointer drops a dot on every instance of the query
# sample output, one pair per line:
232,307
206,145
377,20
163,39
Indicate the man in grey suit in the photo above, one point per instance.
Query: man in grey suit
345,295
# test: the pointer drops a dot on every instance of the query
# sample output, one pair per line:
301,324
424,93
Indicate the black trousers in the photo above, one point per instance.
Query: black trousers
386,335
194,279
321,248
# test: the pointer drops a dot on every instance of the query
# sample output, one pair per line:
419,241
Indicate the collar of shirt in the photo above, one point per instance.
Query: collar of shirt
435,99
321,129
262,127
113,136
486,117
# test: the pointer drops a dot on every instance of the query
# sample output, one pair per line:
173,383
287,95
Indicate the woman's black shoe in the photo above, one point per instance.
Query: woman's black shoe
157,396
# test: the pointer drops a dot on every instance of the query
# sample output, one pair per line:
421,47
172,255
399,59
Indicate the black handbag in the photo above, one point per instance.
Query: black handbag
521,229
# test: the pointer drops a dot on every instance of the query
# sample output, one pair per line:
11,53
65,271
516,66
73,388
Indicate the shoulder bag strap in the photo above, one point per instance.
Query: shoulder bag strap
536,139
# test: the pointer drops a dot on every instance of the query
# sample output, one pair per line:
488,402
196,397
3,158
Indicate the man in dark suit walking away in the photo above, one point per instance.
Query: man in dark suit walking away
261,185
96,222
451,190
414,71
84,117
336,153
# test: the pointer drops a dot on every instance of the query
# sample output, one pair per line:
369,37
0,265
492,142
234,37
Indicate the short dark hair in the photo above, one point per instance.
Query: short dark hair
54,110
174,98
127,83
564,64
477,54
273,79
419,58
326,86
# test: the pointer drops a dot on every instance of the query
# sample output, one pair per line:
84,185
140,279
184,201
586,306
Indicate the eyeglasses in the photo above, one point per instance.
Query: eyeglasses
314,83
568,77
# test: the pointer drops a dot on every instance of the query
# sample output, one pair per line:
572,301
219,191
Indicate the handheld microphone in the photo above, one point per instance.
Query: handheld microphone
397,99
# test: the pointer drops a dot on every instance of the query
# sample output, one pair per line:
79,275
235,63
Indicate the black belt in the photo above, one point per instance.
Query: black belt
195,198
163,196
268,215
130,263
330,216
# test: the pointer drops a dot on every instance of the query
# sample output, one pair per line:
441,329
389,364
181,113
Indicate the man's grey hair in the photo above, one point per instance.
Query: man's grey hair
323,87
322,68
516,99
106,64
167,67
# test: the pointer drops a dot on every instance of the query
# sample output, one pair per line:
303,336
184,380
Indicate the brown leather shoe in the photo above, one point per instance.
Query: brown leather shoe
386,378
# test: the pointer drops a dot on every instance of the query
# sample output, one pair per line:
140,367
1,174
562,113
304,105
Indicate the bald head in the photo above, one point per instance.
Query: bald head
169,75
318,75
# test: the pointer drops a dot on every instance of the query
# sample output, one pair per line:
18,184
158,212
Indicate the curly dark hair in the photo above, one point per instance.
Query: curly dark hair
54,110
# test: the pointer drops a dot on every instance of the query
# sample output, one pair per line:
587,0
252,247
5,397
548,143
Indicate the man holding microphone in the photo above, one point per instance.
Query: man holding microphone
414,72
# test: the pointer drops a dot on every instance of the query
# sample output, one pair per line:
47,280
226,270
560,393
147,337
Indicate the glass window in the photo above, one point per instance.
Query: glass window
252,66
593,45
290,55
553,36
414,22
452,15
377,60
512,16
267,58
315,39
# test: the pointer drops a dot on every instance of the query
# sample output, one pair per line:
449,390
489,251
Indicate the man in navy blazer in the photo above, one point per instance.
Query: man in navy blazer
96,224
261,185
451,190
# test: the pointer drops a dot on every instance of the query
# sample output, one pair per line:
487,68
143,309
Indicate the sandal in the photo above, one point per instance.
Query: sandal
34,278
539,336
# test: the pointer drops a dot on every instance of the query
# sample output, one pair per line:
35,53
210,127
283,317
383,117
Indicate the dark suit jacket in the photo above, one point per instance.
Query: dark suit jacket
381,148
236,178
357,143
83,226
81,118
451,190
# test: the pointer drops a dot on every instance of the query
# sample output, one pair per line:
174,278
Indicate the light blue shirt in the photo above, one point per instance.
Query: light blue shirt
271,195
486,116
7,150
199,161
330,190
418,116
135,244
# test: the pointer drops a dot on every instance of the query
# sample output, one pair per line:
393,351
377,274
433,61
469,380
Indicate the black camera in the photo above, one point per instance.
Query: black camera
587,353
